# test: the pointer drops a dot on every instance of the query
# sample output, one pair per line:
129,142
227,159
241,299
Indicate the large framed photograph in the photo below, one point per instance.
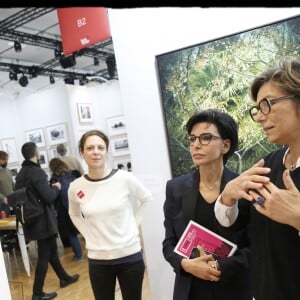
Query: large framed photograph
123,163
57,134
36,136
9,146
116,125
217,74
43,159
85,112
119,146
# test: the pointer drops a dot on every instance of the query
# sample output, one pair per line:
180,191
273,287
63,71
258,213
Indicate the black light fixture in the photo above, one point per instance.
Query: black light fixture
69,80
51,79
23,80
57,52
13,75
96,61
111,66
67,61
83,80
17,46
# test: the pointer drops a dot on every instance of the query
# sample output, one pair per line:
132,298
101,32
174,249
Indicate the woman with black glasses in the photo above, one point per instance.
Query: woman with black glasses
272,185
212,138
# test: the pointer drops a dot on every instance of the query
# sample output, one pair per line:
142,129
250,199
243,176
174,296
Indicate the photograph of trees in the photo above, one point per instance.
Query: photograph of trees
217,74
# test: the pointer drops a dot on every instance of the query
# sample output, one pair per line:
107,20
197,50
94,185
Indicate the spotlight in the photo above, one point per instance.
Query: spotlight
23,80
57,52
68,61
51,79
83,80
13,76
33,71
69,80
96,61
111,66
17,46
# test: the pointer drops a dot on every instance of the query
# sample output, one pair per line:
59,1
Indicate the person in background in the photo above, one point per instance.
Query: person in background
7,184
107,206
72,161
62,174
213,138
272,185
32,175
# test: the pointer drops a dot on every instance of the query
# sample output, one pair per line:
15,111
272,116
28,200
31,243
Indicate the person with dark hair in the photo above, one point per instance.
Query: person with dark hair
61,173
34,177
272,185
107,206
212,138
7,184
72,162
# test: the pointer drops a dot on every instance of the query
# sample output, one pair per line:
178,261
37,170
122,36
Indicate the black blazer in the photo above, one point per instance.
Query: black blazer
32,174
179,208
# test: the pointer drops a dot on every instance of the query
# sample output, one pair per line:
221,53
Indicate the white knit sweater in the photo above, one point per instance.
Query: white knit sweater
112,210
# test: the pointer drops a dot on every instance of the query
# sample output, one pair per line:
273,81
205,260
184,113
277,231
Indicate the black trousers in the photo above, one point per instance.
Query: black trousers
47,253
130,277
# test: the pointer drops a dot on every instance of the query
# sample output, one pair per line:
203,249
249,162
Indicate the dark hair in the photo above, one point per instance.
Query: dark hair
286,77
89,133
226,126
58,167
61,149
28,150
3,155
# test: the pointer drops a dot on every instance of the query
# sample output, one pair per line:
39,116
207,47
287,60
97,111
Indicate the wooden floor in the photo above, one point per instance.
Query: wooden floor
21,285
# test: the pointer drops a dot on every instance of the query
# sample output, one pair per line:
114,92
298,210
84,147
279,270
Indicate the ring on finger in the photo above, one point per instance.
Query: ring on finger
260,200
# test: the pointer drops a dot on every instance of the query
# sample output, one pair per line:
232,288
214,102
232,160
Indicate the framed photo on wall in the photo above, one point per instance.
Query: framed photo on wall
116,125
43,159
36,136
85,112
123,163
119,146
217,74
57,134
9,146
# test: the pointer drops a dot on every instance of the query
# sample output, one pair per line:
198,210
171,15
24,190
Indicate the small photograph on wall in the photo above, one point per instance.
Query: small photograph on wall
123,163
120,146
36,136
116,125
43,159
57,134
85,112
9,146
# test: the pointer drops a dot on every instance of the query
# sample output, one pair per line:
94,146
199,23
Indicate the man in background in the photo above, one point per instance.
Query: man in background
71,161
6,182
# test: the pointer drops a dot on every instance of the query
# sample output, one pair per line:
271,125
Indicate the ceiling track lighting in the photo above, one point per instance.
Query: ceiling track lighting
23,81
17,46
51,79
96,61
13,76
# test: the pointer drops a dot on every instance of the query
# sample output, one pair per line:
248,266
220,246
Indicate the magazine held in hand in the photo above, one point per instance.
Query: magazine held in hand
196,235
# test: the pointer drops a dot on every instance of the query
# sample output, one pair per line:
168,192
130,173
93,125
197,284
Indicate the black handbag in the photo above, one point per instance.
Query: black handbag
51,220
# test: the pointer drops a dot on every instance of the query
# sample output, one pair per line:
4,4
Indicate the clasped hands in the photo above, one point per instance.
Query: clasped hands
280,205
204,267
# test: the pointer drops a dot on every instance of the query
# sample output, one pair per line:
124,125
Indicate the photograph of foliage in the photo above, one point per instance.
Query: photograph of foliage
217,74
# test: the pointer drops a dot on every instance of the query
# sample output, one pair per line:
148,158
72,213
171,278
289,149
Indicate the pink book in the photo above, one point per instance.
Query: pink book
195,234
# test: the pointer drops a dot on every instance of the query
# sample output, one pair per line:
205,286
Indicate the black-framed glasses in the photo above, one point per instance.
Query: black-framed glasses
204,138
265,105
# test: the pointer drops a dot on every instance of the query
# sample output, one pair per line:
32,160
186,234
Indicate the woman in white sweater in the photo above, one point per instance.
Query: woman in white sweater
107,206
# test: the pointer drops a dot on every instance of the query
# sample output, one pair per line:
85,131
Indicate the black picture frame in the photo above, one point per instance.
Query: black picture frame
217,74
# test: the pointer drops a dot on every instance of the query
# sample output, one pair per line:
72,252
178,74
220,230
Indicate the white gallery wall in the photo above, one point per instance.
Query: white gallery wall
138,35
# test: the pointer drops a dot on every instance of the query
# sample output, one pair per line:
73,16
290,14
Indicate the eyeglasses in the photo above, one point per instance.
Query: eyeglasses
204,138
265,105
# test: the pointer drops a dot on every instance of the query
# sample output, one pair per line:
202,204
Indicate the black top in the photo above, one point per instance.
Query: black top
183,203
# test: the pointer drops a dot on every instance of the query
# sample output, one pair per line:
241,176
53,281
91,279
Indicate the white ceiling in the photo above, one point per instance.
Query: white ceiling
44,26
